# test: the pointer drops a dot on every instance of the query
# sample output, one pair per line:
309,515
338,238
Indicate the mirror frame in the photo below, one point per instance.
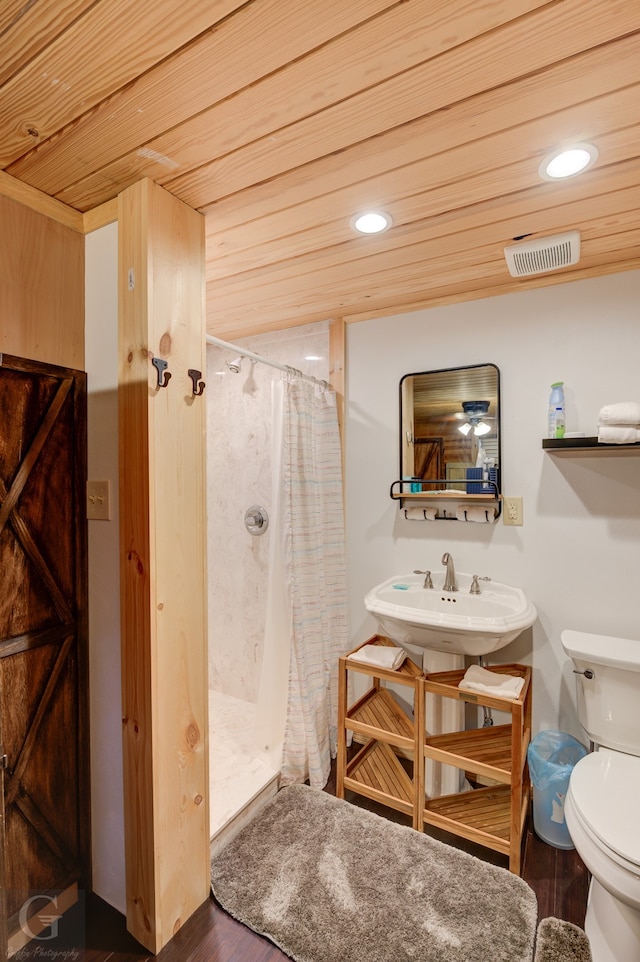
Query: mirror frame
460,486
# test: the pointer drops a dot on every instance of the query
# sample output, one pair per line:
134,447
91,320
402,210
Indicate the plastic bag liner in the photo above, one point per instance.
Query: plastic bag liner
552,757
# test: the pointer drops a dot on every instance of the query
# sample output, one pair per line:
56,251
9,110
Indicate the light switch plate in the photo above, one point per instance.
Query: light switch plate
98,501
512,511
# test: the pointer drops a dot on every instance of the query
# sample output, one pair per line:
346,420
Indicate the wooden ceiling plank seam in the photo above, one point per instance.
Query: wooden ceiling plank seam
394,280
394,264
454,126
89,61
369,54
392,108
293,166
489,112
259,39
466,235
303,310
246,324
10,13
293,313
541,198
429,206
532,283
337,174
460,293
459,233
488,62
22,39
325,222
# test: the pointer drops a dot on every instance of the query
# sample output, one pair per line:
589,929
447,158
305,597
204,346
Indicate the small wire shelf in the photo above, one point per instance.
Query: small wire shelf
440,489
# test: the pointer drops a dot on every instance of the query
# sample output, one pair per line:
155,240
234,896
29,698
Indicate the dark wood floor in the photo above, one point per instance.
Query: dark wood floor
95,932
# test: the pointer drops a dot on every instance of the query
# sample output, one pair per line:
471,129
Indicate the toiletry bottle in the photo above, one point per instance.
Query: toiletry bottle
556,411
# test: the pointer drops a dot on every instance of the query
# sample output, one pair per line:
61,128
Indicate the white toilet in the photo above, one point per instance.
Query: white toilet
602,807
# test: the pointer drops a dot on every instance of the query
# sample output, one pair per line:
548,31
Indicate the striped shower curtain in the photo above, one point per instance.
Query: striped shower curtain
316,576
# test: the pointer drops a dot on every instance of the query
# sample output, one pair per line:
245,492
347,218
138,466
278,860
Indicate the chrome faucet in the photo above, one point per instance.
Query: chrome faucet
450,579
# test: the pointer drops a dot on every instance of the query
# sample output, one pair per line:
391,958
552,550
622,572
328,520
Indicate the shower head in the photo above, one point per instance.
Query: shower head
234,366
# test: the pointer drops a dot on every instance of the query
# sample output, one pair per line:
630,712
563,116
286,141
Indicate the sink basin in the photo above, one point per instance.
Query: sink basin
457,622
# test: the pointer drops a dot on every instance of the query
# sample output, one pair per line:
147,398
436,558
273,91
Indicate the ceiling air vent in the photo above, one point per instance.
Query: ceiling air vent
544,254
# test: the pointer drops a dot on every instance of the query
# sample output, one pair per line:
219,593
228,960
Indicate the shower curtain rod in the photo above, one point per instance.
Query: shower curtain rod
236,349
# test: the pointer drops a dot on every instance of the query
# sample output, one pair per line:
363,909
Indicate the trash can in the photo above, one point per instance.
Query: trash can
552,756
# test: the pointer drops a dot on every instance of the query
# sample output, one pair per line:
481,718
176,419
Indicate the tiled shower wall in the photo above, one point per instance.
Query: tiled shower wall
239,476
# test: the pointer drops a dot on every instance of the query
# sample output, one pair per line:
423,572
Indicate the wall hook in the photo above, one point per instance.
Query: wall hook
161,365
198,384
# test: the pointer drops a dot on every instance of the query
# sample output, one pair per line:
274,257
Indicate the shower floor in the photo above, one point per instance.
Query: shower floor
236,776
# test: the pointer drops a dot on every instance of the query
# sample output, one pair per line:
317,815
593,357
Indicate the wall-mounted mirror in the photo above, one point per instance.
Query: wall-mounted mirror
450,430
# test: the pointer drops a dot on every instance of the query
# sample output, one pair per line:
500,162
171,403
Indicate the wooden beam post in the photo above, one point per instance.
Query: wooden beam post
163,562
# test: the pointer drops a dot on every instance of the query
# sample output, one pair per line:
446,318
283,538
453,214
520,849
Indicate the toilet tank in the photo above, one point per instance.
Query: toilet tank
608,703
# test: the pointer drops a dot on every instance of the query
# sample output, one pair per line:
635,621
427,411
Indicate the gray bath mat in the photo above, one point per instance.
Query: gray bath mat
560,941
329,882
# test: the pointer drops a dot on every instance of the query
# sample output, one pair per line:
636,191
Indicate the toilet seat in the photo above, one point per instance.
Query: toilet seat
604,788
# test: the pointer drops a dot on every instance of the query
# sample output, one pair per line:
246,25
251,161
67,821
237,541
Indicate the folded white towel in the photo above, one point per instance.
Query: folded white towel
381,657
626,412
421,514
476,512
491,683
618,434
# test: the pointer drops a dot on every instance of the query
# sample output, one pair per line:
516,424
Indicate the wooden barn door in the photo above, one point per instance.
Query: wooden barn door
43,638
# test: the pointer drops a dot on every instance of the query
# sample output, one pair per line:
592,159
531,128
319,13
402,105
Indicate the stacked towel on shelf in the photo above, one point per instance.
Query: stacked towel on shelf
626,412
491,683
618,434
381,657
619,423
476,512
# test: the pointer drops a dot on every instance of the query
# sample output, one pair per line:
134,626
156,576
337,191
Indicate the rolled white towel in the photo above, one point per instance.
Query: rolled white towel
421,514
625,412
381,657
476,512
491,683
618,434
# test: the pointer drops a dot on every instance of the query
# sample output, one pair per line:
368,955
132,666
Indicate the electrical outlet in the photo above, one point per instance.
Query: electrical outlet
512,513
98,501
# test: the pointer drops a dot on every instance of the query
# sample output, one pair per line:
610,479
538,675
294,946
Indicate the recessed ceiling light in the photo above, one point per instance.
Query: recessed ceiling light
565,163
371,222
313,357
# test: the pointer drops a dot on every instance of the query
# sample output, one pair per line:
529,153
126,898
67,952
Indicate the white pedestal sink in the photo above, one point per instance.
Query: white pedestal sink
457,622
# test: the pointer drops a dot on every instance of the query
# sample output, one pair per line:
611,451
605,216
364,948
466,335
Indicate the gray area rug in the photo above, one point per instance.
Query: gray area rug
560,941
329,882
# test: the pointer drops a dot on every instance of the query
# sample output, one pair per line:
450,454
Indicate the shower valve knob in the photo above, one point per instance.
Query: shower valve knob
256,519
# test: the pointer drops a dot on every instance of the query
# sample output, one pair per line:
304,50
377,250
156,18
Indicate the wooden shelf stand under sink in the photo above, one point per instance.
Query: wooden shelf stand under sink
493,815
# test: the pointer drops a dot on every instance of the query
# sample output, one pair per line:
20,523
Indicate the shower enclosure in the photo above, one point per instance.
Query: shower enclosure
247,693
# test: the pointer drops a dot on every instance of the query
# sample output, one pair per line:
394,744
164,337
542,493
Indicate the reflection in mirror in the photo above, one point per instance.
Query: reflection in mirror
450,430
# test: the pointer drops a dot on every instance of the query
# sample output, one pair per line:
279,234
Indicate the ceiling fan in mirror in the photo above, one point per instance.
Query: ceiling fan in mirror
475,415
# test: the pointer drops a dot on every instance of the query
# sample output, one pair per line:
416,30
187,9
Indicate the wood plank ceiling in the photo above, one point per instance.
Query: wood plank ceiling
279,119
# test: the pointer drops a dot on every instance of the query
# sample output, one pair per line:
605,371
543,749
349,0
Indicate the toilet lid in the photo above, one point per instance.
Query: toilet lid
605,787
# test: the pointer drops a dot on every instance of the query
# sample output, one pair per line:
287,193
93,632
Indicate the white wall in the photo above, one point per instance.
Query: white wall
577,555
101,360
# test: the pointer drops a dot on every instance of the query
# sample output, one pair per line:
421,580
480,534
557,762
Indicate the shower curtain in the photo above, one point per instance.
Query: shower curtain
314,559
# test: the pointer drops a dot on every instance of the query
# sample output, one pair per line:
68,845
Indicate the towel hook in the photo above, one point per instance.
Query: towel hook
161,366
196,378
